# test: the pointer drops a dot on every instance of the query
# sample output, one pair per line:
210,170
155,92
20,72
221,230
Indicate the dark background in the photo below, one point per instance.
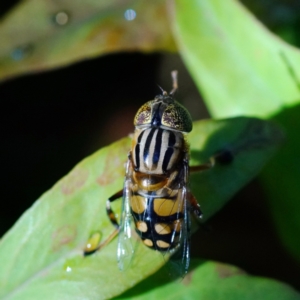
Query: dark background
51,121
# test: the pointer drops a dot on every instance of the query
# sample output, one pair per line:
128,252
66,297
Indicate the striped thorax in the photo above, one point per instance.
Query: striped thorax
156,150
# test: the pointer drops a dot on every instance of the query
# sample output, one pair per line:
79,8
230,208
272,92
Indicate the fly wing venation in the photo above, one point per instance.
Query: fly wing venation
125,248
180,260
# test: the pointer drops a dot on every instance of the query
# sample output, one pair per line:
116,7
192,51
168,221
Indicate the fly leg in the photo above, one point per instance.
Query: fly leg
113,219
195,207
223,157
110,212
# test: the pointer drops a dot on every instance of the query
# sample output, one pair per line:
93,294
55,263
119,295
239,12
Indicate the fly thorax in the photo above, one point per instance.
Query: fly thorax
156,150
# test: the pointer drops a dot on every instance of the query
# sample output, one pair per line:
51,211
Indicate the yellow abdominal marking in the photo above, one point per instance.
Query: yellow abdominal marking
148,242
138,204
141,226
162,244
166,207
162,228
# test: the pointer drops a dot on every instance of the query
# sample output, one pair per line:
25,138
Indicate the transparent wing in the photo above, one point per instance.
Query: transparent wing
125,248
180,260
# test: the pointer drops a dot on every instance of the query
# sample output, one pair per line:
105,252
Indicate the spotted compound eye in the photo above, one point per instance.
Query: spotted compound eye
177,117
143,116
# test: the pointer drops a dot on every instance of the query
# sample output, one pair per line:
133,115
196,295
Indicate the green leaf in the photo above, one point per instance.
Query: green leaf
283,188
42,255
243,69
211,280
38,35
239,66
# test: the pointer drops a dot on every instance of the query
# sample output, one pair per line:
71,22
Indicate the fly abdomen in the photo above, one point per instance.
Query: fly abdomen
158,220
156,150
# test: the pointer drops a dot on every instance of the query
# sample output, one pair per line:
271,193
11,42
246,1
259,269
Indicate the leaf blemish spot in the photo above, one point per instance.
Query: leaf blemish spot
114,165
63,236
188,278
74,181
225,271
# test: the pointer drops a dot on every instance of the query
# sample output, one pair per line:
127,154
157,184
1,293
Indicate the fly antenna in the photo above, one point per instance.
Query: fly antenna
163,91
174,75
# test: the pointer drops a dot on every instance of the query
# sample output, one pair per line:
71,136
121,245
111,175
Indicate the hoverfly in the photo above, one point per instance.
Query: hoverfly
155,194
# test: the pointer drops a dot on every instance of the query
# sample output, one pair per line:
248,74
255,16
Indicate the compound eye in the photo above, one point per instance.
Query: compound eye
177,117
143,116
